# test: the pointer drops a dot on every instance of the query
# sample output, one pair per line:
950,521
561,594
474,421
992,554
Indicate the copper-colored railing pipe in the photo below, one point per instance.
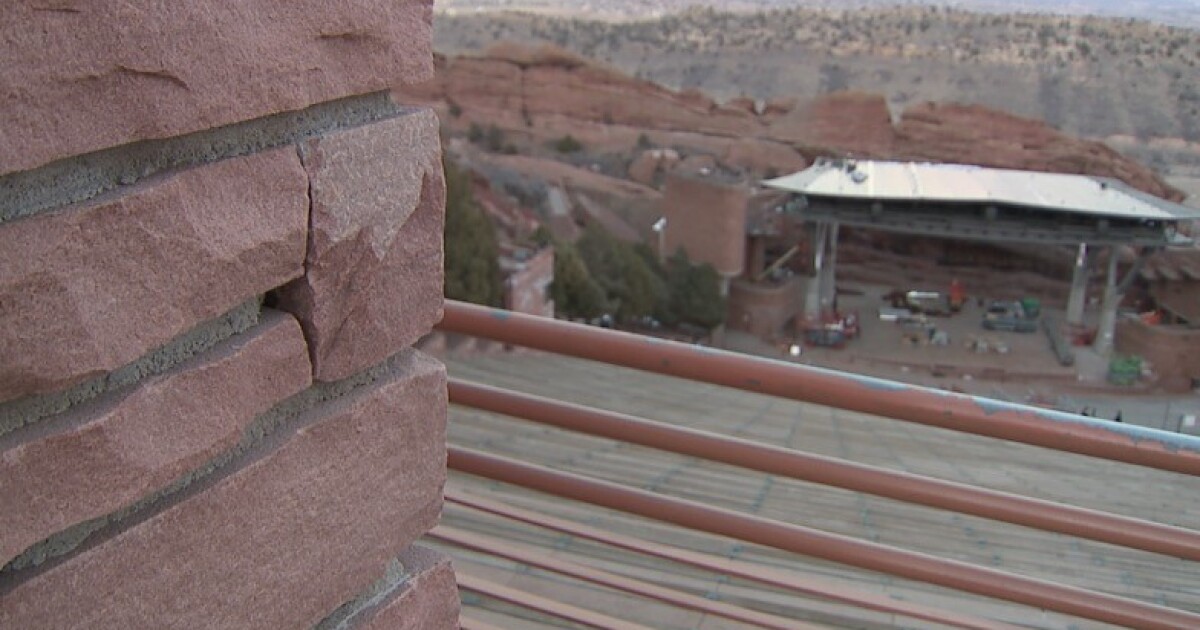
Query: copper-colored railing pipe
541,604
538,558
902,486
729,566
969,414
467,622
833,547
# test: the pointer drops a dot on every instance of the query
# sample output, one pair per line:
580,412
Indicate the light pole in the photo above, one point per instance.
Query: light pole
660,227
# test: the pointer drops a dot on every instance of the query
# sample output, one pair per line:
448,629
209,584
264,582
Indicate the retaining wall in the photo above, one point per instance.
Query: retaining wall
765,309
1168,349
219,239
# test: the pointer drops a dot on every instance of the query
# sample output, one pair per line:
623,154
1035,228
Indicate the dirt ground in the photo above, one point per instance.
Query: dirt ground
1026,371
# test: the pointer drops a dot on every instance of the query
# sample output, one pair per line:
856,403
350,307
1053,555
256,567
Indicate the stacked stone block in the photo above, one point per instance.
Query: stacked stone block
219,239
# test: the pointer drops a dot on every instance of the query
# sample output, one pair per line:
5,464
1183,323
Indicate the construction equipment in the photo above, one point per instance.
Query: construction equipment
1124,370
958,296
931,303
1003,315
773,267
1032,307
832,331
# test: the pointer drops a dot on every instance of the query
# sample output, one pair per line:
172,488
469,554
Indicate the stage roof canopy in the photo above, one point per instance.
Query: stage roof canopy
976,185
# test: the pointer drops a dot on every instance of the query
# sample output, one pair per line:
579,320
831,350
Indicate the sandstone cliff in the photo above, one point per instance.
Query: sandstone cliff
542,93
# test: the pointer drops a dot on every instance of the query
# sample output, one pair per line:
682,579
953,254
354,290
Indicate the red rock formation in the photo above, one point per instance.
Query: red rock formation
647,165
763,156
541,91
845,122
515,82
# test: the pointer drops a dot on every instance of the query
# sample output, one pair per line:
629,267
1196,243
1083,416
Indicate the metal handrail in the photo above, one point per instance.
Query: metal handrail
543,605
828,546
968,414
731,567
680,599
893,484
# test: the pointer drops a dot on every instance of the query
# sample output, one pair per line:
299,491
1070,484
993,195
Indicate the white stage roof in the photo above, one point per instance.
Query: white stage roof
961,183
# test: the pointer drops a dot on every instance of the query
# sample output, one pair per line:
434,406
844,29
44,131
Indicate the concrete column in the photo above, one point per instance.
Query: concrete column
1079,281
829,271
1108,309
812,297
660,228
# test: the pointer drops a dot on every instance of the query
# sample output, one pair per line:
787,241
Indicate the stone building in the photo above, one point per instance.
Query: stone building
723,222
706,217
219,239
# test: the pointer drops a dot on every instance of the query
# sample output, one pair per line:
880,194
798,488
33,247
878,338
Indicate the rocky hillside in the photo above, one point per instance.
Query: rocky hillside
1093,77
533,99
1183,13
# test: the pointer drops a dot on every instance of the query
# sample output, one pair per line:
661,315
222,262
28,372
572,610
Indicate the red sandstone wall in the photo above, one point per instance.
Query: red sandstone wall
219,239
708,220
763,309
1169,349
1181,296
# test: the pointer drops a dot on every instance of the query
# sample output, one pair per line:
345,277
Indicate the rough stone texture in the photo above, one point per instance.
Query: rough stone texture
83,177
427,601
88,289
115,451
280,543
83,76
202,338
373,276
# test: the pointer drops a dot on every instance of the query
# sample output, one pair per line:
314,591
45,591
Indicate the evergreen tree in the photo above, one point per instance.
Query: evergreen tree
695,293
472,254
574,291
642,288
601,274
631,285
